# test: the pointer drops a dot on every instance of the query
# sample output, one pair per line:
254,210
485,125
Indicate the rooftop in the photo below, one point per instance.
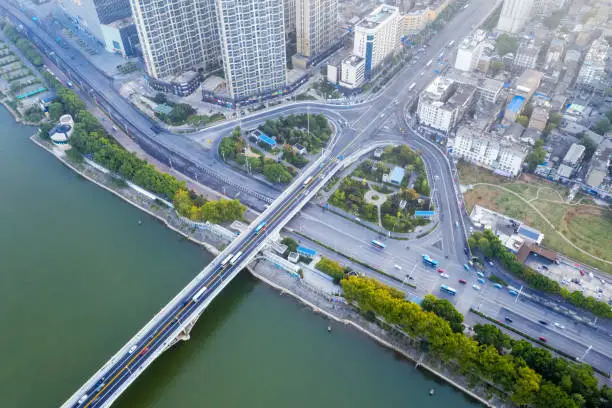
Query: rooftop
378,16
353,60
574,154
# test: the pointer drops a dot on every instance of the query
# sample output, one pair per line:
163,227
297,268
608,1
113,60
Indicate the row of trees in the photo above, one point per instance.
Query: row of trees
331,268
213,211
452,348
491,247
398,219
524,373
90,139
24,45
293,129
564,382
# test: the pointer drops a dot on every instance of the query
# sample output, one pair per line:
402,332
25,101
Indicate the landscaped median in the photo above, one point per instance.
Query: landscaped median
528,375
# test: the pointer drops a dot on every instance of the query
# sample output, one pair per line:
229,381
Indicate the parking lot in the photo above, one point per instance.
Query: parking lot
573,277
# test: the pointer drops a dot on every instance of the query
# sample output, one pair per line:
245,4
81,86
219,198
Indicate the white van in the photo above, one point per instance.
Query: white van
82,399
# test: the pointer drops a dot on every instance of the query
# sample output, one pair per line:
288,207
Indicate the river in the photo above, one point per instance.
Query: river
80,275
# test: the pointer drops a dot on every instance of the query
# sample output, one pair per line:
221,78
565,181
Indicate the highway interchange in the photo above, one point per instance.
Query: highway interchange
366,124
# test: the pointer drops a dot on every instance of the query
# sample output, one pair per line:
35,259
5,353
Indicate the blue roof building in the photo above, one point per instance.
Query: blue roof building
397,175
307,252
266,139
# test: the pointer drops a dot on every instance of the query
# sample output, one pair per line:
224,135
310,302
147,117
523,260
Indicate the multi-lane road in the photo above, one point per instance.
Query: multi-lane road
357,126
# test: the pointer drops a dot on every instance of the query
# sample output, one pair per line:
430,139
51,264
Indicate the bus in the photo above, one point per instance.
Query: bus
260,226
429,262
411,87
429,63
448,290
226,260
199,294
235,258
307,181
377,245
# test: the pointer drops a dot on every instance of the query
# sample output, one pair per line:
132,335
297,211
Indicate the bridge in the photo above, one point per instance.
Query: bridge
175,320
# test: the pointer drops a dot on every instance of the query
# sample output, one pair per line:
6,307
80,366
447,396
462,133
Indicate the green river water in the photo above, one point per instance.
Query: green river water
79,276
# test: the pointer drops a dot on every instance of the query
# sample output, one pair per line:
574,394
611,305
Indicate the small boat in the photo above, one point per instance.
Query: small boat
329,329
432,391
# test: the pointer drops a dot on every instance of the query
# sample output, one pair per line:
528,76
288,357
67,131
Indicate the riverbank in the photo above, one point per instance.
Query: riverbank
167,216
309,296
399,343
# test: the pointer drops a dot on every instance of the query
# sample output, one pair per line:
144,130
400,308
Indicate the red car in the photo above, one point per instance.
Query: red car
440,270
462,281
543,339
581,272
144,350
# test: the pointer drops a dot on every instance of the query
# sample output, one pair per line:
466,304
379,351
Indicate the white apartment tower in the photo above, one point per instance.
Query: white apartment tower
377,37
592,73
316,24
176,35
514,15
470,50
252,35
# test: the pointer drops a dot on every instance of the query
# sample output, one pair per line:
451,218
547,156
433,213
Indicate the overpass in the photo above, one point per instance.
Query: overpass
175,320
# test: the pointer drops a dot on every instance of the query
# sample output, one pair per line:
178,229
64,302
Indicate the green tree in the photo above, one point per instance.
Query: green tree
331,268
496,67
602,126
491,335
56,109
522,120
506,44
276,173
589,147
537,155
291,243
160,98
444,309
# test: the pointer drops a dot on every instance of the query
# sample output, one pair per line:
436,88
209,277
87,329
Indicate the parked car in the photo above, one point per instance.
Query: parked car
462,281
497,285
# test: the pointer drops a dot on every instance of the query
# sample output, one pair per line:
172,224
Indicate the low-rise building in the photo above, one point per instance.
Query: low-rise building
574,155
539,118
352,74
526,55
181,85
484,150
443,103
600,169
490,89
470,50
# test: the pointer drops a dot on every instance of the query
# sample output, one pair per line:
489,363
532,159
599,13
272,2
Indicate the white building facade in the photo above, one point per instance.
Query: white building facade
177,35
470,51
252,37
377,37
352,72
514,15
592,73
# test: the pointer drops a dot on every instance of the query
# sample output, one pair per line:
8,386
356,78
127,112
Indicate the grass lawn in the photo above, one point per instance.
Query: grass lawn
589,227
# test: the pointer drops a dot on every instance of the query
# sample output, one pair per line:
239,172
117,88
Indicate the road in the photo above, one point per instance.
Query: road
366,124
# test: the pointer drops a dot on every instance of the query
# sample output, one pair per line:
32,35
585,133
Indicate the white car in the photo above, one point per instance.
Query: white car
444,275
476,287
559,325
133,349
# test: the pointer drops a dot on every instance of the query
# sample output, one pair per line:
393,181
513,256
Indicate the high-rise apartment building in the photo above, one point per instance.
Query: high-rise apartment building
252,36
377,37
514,15
177,35
106,20
316,26
289,16
593,71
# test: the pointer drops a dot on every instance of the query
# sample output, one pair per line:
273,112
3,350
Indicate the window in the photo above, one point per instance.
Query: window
116,45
